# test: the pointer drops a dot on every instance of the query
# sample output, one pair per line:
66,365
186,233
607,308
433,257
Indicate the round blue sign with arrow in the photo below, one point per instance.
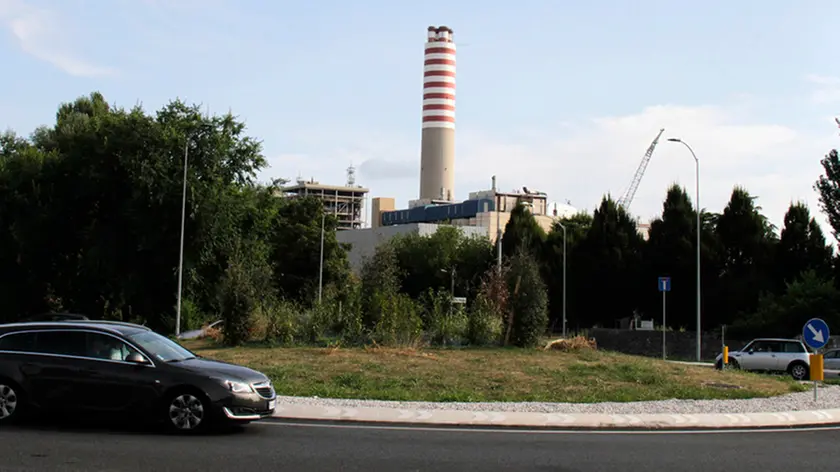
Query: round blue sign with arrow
815,333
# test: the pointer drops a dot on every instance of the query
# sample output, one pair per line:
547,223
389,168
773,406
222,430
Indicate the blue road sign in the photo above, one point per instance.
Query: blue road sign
664,284
815,333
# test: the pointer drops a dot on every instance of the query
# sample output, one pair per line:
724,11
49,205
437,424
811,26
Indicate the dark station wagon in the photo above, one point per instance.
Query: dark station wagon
120,368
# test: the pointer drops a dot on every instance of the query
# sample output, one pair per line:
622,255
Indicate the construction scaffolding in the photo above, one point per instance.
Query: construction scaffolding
346,203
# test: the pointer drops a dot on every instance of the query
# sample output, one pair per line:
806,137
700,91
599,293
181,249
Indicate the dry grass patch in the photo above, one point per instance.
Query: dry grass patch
472,375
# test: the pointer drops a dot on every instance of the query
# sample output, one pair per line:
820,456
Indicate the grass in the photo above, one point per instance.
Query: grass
473,375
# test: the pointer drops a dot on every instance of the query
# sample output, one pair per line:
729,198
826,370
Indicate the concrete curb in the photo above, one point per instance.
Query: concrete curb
789,419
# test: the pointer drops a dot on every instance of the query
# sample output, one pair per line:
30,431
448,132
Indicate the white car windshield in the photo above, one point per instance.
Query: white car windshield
162,348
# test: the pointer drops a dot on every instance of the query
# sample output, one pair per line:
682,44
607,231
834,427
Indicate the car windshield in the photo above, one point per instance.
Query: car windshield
162,348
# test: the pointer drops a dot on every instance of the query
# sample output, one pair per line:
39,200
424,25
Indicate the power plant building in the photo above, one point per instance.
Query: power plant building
484,213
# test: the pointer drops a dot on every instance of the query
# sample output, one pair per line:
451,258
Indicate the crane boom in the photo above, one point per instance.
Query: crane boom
627,198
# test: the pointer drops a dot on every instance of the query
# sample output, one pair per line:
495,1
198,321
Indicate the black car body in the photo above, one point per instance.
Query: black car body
117,368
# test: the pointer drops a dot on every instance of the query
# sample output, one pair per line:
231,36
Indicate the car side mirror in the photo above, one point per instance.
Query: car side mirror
137,358
751,352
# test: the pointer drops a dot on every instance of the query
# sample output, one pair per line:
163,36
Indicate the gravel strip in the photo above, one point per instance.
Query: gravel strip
829,397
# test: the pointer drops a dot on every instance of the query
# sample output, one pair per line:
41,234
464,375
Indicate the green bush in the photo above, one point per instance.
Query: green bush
484,322
240,292
279,321
530,303
445,323
399,322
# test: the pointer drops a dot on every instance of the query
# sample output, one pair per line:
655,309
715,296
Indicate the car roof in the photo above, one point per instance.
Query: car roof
117,327
778,339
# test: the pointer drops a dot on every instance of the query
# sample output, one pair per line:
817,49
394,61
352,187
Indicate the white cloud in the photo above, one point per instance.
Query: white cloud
827,88
39,31
583,161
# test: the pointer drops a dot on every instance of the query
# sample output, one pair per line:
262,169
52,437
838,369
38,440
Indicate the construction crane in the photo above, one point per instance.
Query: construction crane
627,198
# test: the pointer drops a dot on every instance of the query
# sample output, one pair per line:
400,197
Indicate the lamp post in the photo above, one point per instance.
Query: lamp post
697,204
563,227
321,263
181,249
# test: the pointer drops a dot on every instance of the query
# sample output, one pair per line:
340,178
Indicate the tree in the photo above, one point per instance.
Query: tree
828,187
528,300
296,248
576,228
608,271
522,232
428,261
90,210
801,247
784,315
671,252
747,241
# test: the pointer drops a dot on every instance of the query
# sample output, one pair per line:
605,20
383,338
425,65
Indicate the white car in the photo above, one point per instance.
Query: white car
771,355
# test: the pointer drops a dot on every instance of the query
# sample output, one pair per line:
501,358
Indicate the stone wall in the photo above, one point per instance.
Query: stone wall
679,345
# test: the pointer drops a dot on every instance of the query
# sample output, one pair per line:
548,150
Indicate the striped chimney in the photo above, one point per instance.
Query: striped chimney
437,148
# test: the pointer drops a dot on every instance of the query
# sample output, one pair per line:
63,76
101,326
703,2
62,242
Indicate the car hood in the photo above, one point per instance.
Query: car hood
221,369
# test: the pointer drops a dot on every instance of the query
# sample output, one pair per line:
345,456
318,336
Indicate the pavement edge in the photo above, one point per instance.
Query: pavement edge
587,421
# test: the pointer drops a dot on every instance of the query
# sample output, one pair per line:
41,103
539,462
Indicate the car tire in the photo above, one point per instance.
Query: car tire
12,402
186,411
799,371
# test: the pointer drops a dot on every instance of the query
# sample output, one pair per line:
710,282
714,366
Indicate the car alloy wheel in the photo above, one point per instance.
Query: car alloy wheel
8,402
186,412
798,372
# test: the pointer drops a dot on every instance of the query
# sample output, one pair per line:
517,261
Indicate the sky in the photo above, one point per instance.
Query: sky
561,97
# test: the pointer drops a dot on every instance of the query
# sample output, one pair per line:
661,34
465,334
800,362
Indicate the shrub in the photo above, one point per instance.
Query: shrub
484,322
247,275
445,322
529,303
399,321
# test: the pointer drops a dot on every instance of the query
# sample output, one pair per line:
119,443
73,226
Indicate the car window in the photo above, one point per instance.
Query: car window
102,346
163,349
831,355
67,343
758,346
792,347
18,342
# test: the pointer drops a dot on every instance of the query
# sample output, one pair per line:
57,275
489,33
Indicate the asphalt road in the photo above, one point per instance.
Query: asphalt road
288,447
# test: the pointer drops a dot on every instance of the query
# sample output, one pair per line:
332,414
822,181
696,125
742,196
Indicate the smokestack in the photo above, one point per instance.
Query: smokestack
437,147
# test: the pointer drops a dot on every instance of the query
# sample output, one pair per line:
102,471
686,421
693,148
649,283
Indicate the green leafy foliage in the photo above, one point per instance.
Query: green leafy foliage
90,222
528,302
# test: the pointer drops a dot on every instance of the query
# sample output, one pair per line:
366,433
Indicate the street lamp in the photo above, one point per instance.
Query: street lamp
181,250
562,226
697,203
321,264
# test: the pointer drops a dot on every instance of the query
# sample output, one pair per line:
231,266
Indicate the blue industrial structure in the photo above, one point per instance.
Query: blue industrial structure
435,213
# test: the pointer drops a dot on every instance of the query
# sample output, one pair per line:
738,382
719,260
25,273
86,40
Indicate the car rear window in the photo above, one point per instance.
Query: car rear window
791,347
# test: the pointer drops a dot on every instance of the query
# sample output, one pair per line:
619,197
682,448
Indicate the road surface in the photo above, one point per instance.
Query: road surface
299,447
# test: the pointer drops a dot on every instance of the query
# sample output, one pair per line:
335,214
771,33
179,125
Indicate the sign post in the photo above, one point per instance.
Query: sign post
664,287
815,333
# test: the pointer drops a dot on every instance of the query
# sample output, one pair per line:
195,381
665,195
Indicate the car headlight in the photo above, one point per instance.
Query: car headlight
238,387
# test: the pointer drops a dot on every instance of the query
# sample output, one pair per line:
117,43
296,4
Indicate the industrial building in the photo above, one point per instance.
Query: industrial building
485,213
345,202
